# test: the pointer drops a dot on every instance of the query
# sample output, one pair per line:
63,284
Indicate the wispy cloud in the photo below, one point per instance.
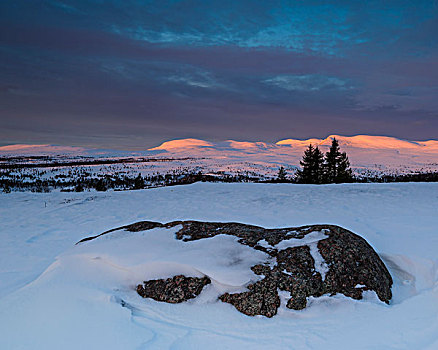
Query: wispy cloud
170,73
200,79
308,82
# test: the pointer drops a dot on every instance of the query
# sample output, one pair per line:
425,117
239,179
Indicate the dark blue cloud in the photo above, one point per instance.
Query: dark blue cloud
133,73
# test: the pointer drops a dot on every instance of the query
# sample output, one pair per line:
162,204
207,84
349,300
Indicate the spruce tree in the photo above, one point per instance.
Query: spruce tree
281,174
332,158
312,166
305,174
344,171
337,165
318,167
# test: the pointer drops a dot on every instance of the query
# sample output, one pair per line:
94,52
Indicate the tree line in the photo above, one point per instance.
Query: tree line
120,182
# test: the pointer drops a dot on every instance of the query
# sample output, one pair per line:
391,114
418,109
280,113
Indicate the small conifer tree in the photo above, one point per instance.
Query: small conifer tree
101,185
281,174
79,187
344,171
138,182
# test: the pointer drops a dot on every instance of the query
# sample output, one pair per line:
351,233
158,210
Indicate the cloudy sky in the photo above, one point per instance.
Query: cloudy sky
131,74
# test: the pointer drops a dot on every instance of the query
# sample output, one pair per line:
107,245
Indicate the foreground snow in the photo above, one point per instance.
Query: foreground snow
55,295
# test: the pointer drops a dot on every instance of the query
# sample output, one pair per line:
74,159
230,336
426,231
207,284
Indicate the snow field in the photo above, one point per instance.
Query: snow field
55,294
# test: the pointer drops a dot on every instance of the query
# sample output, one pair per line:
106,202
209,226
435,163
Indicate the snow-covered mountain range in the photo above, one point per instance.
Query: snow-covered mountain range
366,153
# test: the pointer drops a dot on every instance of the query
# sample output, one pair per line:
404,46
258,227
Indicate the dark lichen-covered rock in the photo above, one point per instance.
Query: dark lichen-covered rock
173,290
261,299
353,262
351,266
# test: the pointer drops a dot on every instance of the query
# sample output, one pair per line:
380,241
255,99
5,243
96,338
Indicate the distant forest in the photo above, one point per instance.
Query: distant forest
116,182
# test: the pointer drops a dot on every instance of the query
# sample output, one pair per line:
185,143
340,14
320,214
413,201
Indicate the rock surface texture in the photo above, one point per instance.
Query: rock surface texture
173,290
303,261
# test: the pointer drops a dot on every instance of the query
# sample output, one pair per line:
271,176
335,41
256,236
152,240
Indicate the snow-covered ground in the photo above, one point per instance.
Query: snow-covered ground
58,295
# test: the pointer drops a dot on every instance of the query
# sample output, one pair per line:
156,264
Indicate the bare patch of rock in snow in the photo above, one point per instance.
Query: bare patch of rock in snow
253,265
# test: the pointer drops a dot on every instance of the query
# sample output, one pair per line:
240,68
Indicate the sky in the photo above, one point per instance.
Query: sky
132,74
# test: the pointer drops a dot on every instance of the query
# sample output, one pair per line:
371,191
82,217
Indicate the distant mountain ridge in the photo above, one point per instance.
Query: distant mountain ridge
358,141
367,141
364,151
380,153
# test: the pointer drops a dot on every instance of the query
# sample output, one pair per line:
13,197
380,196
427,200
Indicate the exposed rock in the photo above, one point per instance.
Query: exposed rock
353,262
173,290
262,299
351,266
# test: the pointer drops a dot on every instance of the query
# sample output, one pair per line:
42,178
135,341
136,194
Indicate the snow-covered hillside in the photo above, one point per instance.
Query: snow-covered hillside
376,153
25,150
365,152
55,294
